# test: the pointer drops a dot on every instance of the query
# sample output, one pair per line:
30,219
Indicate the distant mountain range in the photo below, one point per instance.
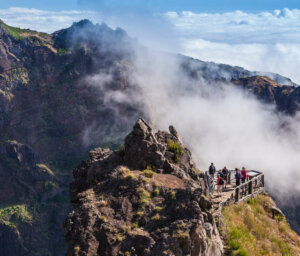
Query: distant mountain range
51,116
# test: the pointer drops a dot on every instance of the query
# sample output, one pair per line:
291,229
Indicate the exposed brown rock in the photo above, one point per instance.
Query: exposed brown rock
284,97
119,209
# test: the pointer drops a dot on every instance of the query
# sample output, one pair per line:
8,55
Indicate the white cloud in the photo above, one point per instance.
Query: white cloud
41,20
239,27
279,58
266,41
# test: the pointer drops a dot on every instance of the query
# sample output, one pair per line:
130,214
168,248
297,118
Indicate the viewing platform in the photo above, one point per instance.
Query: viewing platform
254,185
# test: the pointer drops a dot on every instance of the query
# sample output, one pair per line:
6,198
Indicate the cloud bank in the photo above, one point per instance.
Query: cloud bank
221,124
266,41
279,26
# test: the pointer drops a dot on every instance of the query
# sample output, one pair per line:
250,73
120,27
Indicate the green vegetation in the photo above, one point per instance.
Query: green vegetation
103,218
176,148
135,225
126,229
119,237
139,214
17,32
145,197
251,201
158,208
76,249
180,234
145,180
131,176
20,75
252,231
172,194
196,171
148,172
156,192
62,51
156,217
14,215
46,168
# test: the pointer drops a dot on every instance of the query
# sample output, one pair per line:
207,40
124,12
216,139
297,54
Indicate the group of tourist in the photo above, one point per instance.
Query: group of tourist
223,177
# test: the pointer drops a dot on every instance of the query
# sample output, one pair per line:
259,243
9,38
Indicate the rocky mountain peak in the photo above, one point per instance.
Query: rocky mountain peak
162,150
85,32
141,200
83,23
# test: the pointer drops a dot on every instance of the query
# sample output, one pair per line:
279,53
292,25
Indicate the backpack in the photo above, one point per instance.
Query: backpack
221,182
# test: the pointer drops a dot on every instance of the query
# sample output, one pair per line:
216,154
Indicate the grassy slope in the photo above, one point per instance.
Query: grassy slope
252,231
17,32
15,215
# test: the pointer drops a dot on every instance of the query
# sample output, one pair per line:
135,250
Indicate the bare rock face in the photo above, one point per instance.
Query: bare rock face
21,174
141,201
284,97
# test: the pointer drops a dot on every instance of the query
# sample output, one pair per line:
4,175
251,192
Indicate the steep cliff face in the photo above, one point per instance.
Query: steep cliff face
146,199
31,208
51,114
46,100
286,98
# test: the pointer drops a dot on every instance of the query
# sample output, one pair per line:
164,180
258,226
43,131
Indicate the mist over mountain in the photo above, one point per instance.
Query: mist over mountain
64,93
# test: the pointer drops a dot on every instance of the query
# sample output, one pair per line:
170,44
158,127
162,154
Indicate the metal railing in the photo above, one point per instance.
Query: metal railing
250,188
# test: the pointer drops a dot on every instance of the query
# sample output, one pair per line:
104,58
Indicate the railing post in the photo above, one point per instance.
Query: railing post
263,180
237,194
250,191
229,178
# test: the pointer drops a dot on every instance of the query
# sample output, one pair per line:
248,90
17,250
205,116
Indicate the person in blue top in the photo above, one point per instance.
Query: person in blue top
238,177
212,170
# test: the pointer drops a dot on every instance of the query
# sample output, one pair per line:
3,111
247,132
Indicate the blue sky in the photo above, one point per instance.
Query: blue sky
156,5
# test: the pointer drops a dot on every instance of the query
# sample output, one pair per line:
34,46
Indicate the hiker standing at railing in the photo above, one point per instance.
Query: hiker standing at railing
238,177
225,173
244,175
220,184
212,171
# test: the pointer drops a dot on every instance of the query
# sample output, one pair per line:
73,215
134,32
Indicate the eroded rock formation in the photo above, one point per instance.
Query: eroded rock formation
145,199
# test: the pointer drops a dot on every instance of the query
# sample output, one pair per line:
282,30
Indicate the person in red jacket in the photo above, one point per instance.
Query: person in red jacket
220,184
244,174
